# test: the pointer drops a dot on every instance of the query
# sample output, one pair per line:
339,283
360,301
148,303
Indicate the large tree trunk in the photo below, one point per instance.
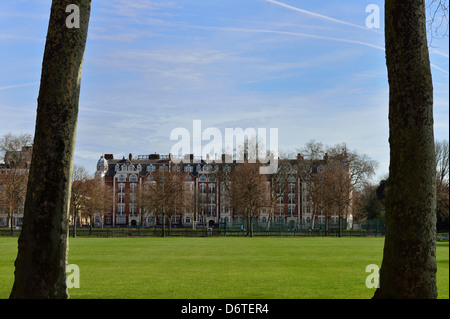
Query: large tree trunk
42,255
408,269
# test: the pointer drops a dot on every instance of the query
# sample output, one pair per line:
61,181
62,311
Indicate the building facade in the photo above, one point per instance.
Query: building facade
126,176
13,179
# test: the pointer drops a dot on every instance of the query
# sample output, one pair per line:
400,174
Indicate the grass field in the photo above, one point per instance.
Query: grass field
210,268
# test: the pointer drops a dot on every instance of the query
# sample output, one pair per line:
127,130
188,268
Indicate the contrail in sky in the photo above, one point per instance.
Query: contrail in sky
297,34
307,35
317,15
340,39
440,69
2,88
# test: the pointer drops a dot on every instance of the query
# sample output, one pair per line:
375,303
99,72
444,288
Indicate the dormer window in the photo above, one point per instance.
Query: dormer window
139,167
117,167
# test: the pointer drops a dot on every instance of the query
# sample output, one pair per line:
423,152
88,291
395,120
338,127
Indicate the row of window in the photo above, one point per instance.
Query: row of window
121,219
134,178
123,178
121,209
133,188
175,168
210,209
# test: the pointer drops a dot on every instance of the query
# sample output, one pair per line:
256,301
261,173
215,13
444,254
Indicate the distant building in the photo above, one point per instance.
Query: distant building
124,176
18,162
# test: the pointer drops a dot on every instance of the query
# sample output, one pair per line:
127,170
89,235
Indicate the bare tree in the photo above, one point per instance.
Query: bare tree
308,164
15,151
338,188
360,166
442,181
248,192
98,198
13,187
78,195
437,23
40,266
163,194
331,175
277,187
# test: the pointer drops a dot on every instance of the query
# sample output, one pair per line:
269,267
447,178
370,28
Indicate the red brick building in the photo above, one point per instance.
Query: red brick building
126,175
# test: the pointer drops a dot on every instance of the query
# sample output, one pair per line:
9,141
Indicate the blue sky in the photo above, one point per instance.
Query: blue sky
309,68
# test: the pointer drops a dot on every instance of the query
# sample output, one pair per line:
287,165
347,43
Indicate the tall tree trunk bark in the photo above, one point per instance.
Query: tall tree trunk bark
408,269
40,267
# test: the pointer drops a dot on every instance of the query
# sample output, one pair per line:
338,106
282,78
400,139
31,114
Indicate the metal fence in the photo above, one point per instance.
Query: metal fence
215,232
203,232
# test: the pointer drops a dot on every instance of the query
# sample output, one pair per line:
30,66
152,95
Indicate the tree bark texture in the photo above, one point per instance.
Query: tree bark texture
408,269
40,267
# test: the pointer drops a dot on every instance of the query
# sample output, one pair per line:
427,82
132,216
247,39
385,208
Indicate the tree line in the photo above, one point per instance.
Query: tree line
337,181
370,200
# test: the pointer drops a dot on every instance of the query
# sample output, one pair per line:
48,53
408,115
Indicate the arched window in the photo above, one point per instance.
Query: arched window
133,178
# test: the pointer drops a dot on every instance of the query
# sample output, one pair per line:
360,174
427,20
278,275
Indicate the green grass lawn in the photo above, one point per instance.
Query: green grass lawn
235,268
